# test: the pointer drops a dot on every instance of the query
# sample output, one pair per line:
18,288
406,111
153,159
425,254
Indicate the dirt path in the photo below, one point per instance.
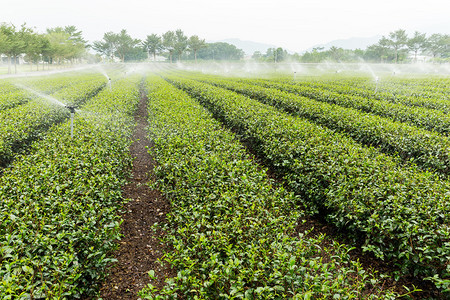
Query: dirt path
139,247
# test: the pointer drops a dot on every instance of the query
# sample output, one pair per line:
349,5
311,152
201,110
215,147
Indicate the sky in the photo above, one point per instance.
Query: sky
293,25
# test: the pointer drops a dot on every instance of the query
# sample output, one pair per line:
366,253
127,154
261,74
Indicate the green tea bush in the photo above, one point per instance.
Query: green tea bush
229,227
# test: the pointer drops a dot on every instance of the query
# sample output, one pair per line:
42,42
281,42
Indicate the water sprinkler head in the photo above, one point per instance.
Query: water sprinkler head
71,108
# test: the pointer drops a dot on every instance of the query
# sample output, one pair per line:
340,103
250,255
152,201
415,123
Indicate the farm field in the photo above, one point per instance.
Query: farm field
253,169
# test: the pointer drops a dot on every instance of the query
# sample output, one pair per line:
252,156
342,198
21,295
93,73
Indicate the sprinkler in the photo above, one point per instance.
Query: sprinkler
295,73
72,115
376,83
109,84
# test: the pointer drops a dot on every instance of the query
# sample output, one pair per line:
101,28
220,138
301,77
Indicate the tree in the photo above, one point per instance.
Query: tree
315,56
257,55
220,51
416,43
14,42
59,44
121,45
77,42
181,43
7,32
445,46
397,41
168,41
153,45
378,52
136,54
359,54
45,49
439,45
37,44
64,43
125,44
75,35
107,46
3,39
336,54
276,54
19,44
195,44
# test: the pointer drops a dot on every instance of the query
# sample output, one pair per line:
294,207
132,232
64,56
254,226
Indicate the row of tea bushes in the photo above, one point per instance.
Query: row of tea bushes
429,119
230,228
59,204
14,92
401,213
425,148
410,95
23,124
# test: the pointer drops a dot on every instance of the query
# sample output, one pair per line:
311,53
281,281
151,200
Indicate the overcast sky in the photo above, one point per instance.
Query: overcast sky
292,24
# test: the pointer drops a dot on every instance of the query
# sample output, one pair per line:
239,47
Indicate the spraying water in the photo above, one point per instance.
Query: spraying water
71,108
42,95
376,83
101,70
370,70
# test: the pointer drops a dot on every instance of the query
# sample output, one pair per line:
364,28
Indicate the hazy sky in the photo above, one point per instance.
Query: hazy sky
295,25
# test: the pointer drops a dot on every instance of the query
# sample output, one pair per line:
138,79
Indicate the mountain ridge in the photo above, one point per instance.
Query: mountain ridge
249,47
352,43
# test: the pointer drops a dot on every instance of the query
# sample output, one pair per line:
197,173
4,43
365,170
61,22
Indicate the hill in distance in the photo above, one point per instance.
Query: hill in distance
350,43
249,47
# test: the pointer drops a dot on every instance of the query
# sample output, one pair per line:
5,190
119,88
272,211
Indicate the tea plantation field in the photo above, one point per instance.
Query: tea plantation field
243,163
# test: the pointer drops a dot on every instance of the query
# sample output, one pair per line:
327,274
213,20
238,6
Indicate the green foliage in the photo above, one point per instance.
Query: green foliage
25,123
58,44
397,41
271,55
429,93
13,41
220,51
439,45
153,45
400,212
229,227
168,42
181,43
59,204
393,48
195,44
120,45
423,117
412,144
11,96
417,42
65,43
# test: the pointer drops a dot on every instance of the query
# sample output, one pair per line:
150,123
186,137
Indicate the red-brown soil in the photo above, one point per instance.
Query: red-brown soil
140,247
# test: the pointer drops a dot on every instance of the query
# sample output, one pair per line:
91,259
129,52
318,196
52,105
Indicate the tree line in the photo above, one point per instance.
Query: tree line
55,45
395,48
66,44
397,45
172,45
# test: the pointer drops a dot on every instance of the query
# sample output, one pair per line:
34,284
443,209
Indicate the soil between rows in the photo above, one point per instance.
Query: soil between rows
140,247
